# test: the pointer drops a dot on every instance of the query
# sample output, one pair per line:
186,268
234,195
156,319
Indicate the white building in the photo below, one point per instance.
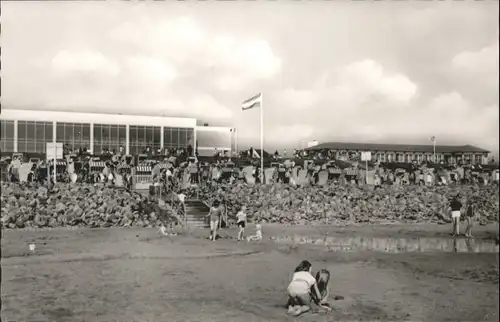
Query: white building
28,131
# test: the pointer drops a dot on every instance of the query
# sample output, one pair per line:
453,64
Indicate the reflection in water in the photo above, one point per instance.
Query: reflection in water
395,245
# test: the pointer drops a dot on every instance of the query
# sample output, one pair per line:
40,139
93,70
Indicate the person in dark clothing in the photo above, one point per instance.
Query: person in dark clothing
470,216
456,208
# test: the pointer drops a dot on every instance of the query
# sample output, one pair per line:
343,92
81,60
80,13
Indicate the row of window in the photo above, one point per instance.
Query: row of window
407,158
33,136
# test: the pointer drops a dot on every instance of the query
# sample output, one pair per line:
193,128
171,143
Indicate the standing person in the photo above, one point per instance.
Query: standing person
182,198
193,172
299,289
214,214
456,207
470,216
241,221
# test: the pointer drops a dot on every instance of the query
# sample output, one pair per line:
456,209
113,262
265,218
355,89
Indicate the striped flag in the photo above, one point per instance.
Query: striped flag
252,102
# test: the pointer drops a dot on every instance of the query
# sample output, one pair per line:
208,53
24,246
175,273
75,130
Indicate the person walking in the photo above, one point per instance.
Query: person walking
215,215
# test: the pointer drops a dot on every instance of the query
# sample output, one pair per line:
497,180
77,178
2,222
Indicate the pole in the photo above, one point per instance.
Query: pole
236,141
434,150
55,168
262,138
366,172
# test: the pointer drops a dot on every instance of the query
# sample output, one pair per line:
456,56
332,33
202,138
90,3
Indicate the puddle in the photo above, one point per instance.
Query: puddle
394,245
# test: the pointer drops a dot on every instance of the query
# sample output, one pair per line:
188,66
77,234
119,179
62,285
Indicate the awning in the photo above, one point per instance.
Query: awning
58,163
97,164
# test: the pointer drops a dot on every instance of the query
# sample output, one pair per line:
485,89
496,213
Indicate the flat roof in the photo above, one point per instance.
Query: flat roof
98,118
397,147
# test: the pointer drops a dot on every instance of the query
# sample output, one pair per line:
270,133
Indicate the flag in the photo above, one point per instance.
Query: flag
433,138
252,102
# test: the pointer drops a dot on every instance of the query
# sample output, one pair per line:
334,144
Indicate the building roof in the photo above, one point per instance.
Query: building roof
96,118
374,147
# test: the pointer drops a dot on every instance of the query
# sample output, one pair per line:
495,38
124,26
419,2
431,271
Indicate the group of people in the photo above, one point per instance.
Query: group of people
468,209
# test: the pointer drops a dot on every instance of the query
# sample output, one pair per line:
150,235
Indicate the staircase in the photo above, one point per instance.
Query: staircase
196,212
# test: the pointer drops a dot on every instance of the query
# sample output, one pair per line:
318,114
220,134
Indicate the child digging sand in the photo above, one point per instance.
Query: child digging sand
299,289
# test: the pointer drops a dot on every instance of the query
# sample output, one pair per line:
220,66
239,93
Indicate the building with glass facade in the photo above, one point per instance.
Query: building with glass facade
29,131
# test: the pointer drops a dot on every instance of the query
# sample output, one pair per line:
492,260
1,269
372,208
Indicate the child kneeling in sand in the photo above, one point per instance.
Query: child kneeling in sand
258,234
299,289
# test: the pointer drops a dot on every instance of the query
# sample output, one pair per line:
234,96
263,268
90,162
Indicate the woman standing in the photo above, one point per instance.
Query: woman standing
214,214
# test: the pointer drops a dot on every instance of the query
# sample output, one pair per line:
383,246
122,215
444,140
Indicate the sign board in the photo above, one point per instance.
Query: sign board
54,151
366,156
310,144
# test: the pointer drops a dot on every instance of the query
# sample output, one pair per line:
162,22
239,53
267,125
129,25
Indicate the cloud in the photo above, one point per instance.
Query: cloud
367,78
85,61
288,134
349,87
233,62
484,61
365,103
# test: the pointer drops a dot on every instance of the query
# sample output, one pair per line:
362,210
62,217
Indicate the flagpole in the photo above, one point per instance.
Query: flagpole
236,141
262,138
434,149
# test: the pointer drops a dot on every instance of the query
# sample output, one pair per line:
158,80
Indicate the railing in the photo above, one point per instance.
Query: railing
143,178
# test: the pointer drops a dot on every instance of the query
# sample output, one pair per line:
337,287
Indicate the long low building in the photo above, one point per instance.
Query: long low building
29,131
405,153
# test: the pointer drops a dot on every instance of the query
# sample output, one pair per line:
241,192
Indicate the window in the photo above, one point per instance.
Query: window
86,132
157,137
122,135
190,137
167,137
40,130
49,131
7,136
69,135
77,132
478,158
60,132
32,136
182,138
21,130
30,131
175,137
149,134
107,137
222,140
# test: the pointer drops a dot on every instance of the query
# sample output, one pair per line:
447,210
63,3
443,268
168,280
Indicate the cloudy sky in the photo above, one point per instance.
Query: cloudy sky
395,72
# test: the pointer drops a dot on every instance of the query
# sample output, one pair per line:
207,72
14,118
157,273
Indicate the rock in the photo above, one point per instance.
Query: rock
101,206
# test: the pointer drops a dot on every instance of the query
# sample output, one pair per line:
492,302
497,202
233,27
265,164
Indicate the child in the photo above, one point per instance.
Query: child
241,220
258,234
214,214
470,215
299,289
164,232
322,279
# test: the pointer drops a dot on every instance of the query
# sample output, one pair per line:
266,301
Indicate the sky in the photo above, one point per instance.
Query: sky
347,71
